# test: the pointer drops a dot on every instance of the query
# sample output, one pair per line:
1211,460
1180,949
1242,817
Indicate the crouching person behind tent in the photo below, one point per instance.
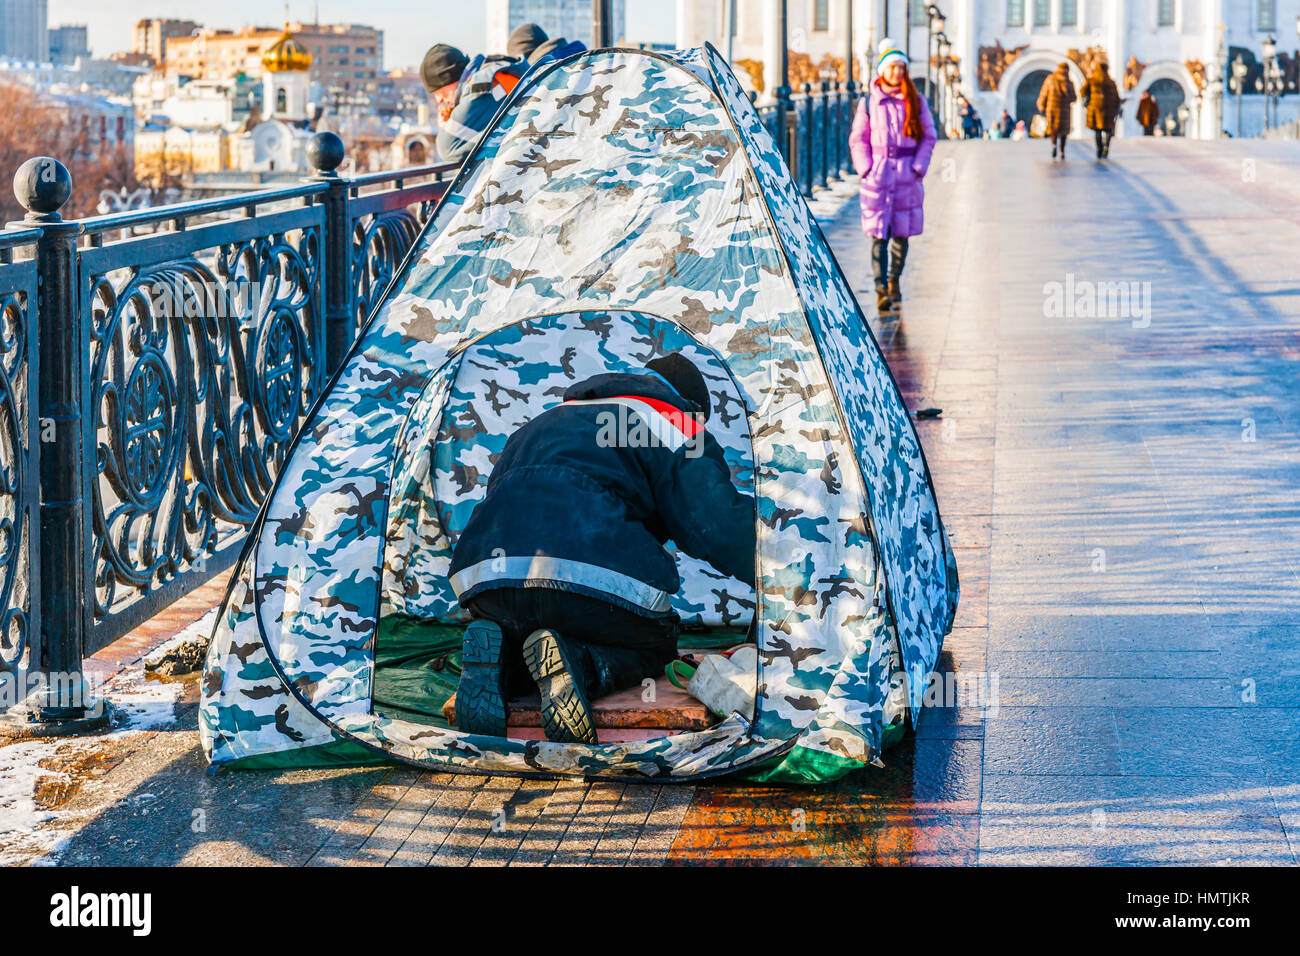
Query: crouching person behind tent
562,564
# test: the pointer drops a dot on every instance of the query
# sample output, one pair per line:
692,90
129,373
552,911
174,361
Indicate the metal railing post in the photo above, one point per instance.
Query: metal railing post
325,153
806,141
59,702
845,110
825,113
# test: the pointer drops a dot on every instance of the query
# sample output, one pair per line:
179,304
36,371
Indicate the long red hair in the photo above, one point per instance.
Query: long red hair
911,107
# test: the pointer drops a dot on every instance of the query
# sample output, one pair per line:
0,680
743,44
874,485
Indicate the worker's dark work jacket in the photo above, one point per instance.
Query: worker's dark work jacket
584,496
488,81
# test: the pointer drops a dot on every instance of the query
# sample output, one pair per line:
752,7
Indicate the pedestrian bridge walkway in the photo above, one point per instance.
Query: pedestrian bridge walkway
1114,347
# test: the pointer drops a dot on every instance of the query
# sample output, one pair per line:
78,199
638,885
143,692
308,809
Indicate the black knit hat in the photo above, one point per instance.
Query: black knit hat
524,39
682,375
443,64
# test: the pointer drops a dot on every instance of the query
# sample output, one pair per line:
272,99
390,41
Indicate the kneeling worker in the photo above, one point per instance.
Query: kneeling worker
563,564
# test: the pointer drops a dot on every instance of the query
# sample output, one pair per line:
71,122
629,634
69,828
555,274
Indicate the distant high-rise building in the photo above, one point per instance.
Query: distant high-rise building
570,19
24,30
151,36
69,43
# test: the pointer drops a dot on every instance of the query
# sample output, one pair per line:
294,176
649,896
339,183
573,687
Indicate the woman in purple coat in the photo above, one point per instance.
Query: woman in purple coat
891,142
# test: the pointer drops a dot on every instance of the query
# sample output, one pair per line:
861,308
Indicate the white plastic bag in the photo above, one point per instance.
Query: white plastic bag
727,684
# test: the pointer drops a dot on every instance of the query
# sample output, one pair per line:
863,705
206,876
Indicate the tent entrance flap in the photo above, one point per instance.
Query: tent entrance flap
460,425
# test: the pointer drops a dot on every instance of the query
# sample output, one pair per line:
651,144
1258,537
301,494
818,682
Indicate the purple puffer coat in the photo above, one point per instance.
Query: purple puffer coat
891,165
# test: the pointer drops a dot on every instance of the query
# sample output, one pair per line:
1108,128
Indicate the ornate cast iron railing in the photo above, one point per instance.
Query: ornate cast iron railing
19,433
179,350
817,123
206,349
387,211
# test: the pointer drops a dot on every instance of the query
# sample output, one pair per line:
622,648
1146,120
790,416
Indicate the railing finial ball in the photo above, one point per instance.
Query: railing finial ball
42,185
325,151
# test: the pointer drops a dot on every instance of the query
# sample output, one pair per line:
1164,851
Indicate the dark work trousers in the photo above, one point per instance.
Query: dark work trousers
1148,131
1103,140
887,258
615,648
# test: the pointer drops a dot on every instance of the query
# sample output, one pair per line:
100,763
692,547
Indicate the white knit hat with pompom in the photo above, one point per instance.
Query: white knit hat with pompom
890,53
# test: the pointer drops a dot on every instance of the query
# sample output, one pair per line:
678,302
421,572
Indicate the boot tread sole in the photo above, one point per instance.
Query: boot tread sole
480,702
566,717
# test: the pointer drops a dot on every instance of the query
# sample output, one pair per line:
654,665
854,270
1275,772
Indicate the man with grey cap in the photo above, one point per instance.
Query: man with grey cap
524,39
468,92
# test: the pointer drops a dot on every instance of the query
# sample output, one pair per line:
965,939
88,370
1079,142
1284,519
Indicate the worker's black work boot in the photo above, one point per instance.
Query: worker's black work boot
481,697
566,715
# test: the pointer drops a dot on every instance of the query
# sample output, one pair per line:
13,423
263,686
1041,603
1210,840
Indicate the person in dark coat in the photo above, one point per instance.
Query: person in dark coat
468,93
1054,101
563,565
1006,125
972,127
1101,97
1148,113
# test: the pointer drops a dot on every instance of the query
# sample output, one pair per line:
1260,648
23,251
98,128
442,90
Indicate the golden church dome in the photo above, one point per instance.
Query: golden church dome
286,55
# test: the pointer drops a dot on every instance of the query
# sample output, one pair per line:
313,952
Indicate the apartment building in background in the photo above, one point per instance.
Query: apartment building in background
347,56
151,35
69,44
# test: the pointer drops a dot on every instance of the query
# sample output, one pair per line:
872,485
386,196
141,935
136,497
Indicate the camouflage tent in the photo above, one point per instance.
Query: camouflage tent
621,204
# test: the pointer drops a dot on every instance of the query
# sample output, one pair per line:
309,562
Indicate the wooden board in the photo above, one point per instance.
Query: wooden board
669,709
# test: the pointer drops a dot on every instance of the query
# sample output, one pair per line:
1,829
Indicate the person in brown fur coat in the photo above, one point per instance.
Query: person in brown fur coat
1101,96
1054,101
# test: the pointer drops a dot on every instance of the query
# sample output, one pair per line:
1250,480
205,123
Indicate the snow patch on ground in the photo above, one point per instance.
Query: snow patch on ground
20,819
145,705
28,834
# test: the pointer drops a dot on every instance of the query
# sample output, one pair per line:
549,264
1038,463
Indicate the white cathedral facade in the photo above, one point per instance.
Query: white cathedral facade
1182,51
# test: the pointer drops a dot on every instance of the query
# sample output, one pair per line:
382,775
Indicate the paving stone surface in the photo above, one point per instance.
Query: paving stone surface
1118,477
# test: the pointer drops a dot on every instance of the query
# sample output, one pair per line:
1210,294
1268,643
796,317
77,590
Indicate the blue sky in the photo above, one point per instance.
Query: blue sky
410,26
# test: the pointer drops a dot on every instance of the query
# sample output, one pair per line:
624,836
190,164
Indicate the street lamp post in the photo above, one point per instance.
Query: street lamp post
937,23
952,76
602,27
1238,85
944,49
1270,62
850,89
1216,84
